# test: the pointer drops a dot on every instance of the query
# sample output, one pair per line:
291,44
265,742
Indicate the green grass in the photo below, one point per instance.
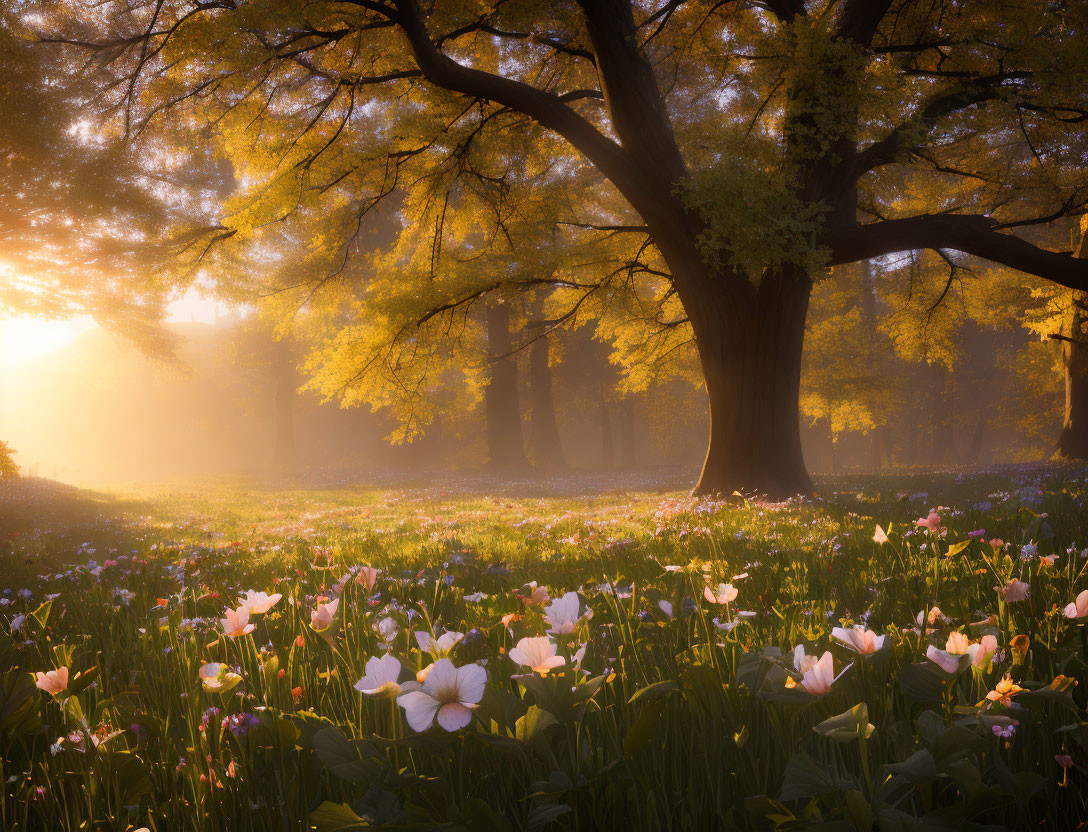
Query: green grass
669,722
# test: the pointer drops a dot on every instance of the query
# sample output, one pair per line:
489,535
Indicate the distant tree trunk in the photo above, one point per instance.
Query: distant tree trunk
505,443
628,449
608,445
878,447
943,448
973,454
882,444
544,441
912,442
1073,439
285,384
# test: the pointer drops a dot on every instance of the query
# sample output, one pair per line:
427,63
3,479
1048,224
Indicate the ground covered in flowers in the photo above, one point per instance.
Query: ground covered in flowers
898,653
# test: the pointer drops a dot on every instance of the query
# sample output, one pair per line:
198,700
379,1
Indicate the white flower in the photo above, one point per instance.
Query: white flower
563,614
215,676
448,692
725,594
666,607
476,597
858,639
538,654
381,677
948,662
259,602
438,647
17,623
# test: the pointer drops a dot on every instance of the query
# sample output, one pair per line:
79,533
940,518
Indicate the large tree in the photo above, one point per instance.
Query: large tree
742,148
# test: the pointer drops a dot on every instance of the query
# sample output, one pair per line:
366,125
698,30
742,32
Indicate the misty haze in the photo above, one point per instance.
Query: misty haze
521,416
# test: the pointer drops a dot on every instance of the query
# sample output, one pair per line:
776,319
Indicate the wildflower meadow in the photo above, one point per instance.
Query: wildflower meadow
886,656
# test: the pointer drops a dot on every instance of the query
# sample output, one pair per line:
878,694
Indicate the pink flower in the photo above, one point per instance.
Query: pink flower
1079,608
982,653
818,675
1014,590
237,623
368,575
858,639
725,594
538,654
879,536
52,681
931,523
322,617
259,602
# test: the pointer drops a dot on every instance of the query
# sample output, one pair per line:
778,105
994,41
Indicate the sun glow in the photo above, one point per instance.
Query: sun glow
24,338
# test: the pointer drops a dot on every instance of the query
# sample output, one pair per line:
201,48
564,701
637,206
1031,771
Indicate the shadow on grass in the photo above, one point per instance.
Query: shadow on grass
44,524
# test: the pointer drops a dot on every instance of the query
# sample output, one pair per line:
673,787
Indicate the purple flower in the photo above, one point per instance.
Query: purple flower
977,533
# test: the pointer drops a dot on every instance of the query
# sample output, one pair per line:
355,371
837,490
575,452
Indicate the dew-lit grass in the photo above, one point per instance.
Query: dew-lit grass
669,711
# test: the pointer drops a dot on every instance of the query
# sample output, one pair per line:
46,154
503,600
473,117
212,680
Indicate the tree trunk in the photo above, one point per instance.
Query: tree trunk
285,384
973,454
628,446
941,411
505,443
1073,439
547,449
608,445
752,366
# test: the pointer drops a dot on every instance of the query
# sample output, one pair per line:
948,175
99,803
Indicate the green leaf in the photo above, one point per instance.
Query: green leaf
919,768
643,731
483,818
926,681
543,814
342,756
532,726
18,705
82,681
655,691
861,813
335,817
805,779
955,548
847,726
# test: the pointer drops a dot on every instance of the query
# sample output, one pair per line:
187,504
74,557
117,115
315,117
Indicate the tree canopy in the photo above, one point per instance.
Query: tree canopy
679,172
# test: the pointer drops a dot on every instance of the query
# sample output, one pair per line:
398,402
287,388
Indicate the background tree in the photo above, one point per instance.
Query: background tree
833,110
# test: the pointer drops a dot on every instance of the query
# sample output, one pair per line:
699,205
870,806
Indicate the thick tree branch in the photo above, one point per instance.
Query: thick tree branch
860,20
545,108
970,234
886,150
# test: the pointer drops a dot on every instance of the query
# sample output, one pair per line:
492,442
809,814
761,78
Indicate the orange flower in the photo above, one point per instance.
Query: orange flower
1004,691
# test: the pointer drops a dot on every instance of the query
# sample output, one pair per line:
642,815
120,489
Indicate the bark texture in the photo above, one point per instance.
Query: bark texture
505,442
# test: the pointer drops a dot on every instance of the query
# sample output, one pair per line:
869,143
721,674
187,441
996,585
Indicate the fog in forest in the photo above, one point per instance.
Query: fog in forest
231,403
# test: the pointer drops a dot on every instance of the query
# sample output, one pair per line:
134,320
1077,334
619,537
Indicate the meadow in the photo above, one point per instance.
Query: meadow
898,653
